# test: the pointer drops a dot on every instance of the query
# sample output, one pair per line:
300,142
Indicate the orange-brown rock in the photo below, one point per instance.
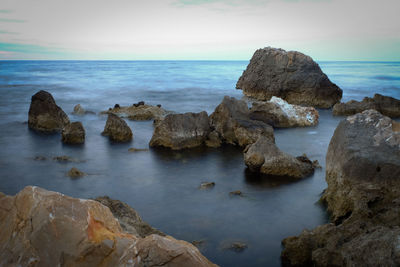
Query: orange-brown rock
44,228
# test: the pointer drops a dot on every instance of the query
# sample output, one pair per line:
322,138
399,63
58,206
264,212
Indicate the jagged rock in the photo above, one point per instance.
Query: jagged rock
232,122
179,131
79,110
117,129
44,228
45,115
265,157
73,133
139,112
386,105
278,113
363,198
291,76
128,218
75,173
206,185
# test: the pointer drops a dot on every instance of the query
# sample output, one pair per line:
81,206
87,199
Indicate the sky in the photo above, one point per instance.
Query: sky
198,29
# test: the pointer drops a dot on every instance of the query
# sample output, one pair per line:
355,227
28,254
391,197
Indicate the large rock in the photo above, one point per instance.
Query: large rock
138,112
45,115
73,133
278,113
178,131
265,157
291,76
231,120
44,228
363,198
117,129
386,105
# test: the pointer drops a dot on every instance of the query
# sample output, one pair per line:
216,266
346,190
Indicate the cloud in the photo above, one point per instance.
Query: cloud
8,32
6,11
12,20
31,49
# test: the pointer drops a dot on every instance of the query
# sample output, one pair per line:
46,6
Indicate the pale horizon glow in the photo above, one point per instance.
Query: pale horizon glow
198,29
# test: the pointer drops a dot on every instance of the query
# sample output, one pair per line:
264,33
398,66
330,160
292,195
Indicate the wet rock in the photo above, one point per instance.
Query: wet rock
44,228
265,157
236,193
73,133
79,110
117,129
278,113
207,185
64,158
139,112
363,198
132,149
291,76
75,173
235,246
44,114
386,105
116,106
128,218
213,139
39,158
231,120
179,131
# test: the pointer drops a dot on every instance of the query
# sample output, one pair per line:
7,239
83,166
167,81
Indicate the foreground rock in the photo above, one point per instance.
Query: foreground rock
278,113
117,129
386,105
265,157
232,123
73,133
139,112
178,131
291,76
363,196
44,228
44,114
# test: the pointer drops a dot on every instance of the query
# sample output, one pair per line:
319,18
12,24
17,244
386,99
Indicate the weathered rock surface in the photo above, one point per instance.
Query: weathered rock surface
179,131
291,76
363,197
265,157
278,113
231,120
139,112
44,228
45,115
73,133
117,129
75,173
128,218
386,105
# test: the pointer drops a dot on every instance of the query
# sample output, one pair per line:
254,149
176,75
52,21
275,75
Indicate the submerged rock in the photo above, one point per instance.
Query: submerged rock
64,158
291,76
363,198
278,113
79,110
75,173
44,228
179,131
236,193
73,133
235,246
386,105
133,149
45,115
265,157
206,185
139,112
117,129
231,120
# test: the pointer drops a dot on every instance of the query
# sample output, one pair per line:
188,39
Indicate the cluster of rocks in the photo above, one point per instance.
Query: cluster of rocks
363,198
139,111
44,228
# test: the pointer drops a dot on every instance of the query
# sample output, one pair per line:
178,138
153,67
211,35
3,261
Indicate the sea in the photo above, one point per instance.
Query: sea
163,185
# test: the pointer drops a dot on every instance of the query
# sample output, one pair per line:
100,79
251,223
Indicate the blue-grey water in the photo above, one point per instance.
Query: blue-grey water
163,185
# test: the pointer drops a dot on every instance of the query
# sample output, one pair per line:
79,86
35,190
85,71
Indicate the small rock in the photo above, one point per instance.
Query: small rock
79,110
236,246
75,173
132,149
236,193
141,103
116,106
159,106
207,185
64,158
39,158
73,134
316,164
199,243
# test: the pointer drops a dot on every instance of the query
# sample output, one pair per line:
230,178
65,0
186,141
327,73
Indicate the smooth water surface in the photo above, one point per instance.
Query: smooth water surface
162,185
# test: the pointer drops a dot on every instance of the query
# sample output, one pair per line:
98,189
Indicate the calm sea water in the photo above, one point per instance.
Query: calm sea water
163,185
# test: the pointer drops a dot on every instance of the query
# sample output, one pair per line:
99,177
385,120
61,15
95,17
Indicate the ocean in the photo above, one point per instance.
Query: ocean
162,185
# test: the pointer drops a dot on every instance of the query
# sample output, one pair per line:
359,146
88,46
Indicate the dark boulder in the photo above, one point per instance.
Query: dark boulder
73,133
117,129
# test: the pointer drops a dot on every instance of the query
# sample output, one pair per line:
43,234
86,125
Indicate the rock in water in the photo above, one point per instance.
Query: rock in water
278,113
73,133
363,197
265,157
231,120
386,105
79,110
44,228
179,131
45,115
291,76
75,173
117,129
138,112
